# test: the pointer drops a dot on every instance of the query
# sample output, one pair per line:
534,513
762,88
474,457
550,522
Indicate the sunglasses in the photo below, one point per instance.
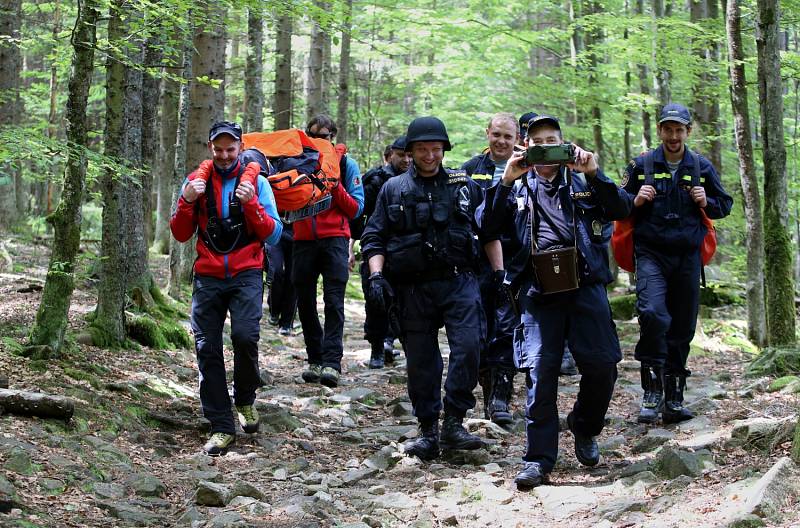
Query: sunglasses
316,135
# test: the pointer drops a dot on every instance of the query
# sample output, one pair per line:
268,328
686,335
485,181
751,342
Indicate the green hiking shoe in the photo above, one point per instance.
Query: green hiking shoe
248,418
329,377
218,444
312,373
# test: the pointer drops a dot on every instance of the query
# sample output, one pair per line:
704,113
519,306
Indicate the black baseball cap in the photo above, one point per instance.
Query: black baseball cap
399,143
225,127
523,122
675,112
542,119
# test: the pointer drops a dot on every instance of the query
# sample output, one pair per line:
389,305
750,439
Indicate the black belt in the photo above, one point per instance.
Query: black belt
432,275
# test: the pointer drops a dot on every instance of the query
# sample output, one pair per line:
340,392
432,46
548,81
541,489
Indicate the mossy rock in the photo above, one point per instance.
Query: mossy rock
715,295
776,362
145,330
623,306
81,375
782,382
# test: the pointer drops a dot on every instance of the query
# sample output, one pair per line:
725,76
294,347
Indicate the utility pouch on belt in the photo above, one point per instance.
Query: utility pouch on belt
556,269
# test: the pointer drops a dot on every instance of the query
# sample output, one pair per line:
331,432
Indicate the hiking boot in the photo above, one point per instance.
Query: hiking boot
586,449
485,379
285,331
273,319
311,373
329,377
248,418
388,350
376,359
502,390
653,398
530,476
218,444
454,436
674,411
426,445
568,367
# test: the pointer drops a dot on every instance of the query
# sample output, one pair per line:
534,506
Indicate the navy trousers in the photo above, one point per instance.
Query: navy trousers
212,300
326,257
281,298
667,299
498,351
425,307
584,317
376,322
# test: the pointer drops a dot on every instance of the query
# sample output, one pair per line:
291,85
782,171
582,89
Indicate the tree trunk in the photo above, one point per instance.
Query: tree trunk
108,327
253,87
44,198
644,89
51,317
179,170
327,72
36,403
754,239
314,71
777,242
10,66
166,163
282,106
151,91
344,73
662,73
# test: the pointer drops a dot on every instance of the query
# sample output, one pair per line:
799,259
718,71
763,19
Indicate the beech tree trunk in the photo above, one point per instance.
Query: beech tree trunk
644,89
344,74
327,71
10,67
754,238
51,317
253,79
662,73
45,189
151,91
282,104
314,103
166,163
777,240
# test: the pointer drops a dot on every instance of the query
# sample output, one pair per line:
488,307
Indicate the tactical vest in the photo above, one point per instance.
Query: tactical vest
431,231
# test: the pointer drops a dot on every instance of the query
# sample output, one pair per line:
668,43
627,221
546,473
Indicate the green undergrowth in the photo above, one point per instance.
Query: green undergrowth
776,361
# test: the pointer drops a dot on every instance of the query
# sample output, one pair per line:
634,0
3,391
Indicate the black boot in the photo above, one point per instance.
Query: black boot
388,350
674,411
485,378
653,399
586,449
426,445
376,357
502,391
454,436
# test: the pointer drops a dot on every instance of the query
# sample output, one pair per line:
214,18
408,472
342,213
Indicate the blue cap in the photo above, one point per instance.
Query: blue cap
399,143
675,112
523,122
543,118
225,127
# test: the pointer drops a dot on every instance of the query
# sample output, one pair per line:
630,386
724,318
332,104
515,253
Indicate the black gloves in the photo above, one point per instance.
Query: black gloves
380,293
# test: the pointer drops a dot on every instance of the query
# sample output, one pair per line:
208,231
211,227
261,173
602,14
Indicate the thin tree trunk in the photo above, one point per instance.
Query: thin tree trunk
253,79
714,125
10,67
344,74
282,104
777,242
754,239
314,70
662,73
44,202
327,72
151,91
644,89
166,162
51,317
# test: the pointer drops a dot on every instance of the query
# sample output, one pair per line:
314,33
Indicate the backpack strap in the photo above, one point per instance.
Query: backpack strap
695,169
649,178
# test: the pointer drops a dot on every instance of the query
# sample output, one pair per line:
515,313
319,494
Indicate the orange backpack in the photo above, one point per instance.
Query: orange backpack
622,237
306,169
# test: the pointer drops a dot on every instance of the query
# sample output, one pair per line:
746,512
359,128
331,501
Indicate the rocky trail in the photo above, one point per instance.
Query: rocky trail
131,455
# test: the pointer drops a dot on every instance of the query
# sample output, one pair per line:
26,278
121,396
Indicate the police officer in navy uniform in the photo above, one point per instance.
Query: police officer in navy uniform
422,235
667,236
571,206
377,330
496,372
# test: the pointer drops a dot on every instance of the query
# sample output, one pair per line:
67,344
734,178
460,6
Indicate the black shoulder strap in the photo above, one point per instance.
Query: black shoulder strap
211,202
696,169
649,178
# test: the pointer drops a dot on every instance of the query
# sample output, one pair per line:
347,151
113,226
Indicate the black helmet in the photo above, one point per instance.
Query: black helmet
427,129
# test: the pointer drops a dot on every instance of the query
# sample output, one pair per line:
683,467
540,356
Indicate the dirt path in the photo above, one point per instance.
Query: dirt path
131,455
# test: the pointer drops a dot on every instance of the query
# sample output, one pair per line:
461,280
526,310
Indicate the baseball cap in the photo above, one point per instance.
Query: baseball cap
225,127
543,118
399,143
523,122
675,112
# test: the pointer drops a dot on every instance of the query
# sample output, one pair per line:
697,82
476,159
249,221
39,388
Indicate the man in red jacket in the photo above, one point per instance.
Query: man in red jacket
321,248
232,209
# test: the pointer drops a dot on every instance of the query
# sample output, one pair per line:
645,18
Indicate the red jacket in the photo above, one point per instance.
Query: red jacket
191,216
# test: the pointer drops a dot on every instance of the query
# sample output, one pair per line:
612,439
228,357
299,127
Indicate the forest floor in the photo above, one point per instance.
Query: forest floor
131,455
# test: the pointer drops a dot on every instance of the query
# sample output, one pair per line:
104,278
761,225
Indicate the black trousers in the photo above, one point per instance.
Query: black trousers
424,308
498,350
376,322
281,298
326,257
212,300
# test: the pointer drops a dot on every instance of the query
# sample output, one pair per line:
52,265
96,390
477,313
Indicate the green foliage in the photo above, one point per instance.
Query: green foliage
82,375
774,361
782,382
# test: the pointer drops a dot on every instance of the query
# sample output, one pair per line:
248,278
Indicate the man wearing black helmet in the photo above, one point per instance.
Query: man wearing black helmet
561,215
422,235
376,323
